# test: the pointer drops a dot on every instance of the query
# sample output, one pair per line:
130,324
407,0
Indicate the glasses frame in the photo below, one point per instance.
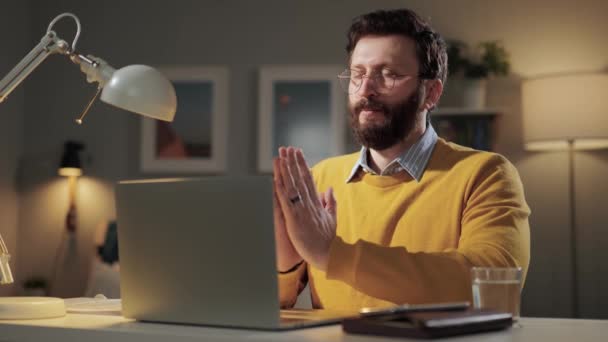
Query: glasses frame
345,80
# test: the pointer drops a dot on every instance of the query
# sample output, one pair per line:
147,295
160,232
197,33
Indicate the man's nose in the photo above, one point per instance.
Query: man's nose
368,87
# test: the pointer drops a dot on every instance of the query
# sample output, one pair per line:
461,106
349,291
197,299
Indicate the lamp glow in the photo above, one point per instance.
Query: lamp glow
70,172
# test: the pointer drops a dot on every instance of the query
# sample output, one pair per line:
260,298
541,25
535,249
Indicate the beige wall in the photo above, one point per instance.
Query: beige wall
542,36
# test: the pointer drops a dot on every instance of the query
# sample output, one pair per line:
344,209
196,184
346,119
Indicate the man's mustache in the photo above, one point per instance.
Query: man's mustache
370,105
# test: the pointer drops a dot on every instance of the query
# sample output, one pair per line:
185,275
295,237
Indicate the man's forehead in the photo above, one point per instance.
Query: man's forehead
384,50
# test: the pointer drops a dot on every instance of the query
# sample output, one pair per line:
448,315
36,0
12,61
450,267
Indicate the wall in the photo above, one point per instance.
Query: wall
542,36
14,18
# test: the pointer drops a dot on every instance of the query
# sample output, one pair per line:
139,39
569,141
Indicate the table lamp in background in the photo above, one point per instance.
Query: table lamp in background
136,88
567,112
71,167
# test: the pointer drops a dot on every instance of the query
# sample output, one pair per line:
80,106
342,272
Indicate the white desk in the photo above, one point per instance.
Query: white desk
93,328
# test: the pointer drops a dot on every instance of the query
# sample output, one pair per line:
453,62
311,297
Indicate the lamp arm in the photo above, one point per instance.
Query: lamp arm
49,44
96,69
6,277
136,88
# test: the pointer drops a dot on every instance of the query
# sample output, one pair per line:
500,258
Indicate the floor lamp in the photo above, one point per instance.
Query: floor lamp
567,112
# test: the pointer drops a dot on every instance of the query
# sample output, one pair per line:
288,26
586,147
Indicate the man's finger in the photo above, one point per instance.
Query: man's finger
279,185
289,195
321,197
276,179
306,176
295,171
286,176
331,201
276,170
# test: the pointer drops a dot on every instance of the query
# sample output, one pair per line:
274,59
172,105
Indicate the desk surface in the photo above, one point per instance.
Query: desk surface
93,328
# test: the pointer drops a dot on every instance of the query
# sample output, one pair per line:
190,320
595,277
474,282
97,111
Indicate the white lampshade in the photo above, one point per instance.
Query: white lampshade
141,89
564,108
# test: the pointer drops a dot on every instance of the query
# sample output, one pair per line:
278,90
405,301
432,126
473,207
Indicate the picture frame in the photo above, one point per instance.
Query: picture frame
301,106
195,142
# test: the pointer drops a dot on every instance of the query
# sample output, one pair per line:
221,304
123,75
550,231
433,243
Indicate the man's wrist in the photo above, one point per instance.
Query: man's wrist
323,259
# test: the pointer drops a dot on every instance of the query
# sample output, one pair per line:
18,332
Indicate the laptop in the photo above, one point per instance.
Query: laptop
202,251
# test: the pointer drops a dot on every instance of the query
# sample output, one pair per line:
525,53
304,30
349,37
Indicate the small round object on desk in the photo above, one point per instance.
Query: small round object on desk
13,308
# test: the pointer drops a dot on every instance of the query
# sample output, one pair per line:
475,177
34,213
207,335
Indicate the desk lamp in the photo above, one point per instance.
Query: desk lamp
136,88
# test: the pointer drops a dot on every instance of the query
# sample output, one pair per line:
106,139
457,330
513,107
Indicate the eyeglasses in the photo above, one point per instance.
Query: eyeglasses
384,81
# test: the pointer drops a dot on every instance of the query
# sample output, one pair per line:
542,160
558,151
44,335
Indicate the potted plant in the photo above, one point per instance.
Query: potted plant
474,66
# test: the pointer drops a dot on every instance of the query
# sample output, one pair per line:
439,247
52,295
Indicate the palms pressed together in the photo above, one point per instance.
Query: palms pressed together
305,222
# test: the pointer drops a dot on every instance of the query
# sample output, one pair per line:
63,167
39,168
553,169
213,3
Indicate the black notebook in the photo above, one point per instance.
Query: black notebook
429,324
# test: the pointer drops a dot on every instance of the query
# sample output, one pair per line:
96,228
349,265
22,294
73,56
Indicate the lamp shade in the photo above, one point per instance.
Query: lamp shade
141,89
564,108
70,161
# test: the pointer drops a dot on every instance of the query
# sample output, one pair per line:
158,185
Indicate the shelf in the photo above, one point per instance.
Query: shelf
474,128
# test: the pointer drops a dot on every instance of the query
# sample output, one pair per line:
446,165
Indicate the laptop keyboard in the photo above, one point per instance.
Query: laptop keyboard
293,315
307,315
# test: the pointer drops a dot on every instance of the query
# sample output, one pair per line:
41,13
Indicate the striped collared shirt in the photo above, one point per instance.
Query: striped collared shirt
413,160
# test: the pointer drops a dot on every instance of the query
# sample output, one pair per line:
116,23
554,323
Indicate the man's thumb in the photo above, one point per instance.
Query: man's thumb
331,201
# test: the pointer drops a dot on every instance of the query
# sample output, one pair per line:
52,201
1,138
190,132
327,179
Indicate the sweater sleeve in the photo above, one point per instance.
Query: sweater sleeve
291,284
494,232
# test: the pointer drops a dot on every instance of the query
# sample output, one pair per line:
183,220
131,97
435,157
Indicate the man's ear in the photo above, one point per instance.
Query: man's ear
433,90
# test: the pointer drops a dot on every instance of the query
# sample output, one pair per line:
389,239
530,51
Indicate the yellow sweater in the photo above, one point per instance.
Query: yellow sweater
402,241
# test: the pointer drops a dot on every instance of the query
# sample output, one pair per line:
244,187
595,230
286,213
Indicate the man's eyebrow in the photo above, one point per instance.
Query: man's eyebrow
382,66
361,66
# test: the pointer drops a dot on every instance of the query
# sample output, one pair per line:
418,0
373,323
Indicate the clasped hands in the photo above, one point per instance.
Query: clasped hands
305,222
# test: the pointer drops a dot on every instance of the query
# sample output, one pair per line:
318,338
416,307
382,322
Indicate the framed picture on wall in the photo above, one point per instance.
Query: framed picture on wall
195,142
301,106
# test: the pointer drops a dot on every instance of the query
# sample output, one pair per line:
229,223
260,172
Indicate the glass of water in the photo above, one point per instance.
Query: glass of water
497,289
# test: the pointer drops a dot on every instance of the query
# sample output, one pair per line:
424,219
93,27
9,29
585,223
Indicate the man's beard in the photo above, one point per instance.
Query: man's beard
399,121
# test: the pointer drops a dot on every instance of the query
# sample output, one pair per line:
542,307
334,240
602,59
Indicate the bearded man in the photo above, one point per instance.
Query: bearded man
404,219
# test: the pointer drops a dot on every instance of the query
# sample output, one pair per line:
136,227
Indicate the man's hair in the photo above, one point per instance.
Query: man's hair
430,46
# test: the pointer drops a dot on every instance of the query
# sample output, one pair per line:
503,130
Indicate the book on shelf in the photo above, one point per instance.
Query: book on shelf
471,131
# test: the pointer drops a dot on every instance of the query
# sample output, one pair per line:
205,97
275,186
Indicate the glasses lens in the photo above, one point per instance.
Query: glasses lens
347,83
387,84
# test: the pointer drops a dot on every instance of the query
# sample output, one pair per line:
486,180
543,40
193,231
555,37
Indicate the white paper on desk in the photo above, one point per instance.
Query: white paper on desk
96,305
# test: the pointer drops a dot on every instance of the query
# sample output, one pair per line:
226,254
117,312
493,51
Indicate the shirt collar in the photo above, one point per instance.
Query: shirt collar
413,160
